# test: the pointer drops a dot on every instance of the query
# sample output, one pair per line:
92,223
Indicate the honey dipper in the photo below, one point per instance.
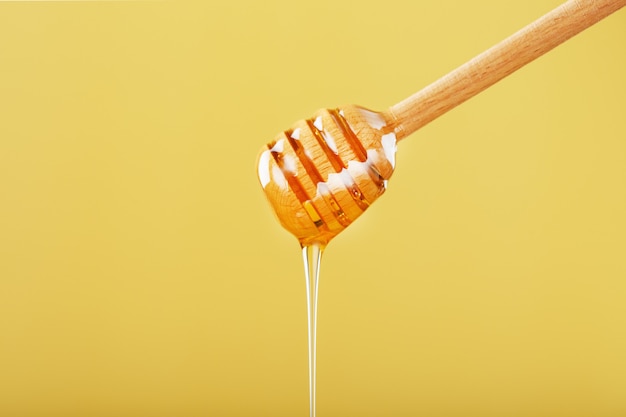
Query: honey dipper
324,172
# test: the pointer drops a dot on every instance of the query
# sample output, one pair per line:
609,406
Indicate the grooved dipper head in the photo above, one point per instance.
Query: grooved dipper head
324,172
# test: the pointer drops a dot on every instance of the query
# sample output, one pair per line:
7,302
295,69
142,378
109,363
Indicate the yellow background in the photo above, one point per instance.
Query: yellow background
143,274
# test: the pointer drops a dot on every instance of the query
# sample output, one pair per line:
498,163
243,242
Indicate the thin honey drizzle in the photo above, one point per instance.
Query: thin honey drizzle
312,256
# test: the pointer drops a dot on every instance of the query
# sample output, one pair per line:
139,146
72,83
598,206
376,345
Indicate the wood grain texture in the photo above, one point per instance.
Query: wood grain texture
499,61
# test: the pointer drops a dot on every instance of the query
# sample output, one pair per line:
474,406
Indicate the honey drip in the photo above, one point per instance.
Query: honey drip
312,256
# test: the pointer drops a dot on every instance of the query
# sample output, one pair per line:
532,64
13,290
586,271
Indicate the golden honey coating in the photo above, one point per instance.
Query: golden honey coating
324,172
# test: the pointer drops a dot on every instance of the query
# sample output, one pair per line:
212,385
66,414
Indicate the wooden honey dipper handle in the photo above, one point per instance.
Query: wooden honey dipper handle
491,66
